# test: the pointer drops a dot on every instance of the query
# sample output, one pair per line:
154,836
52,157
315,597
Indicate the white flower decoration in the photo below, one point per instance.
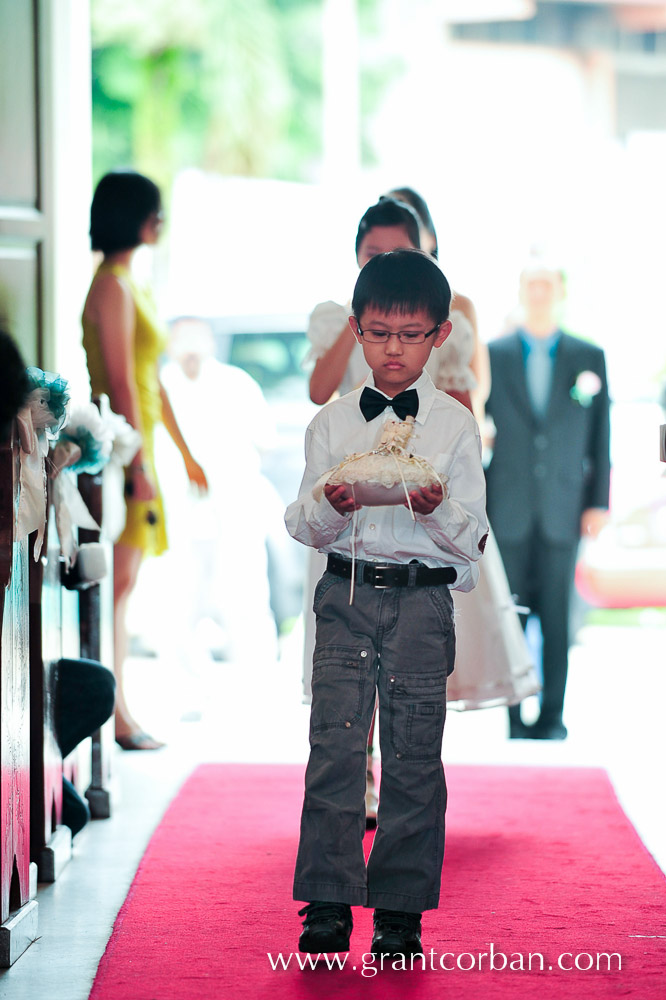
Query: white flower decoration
586,387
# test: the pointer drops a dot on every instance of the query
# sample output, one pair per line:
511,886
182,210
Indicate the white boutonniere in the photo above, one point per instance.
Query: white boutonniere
585,388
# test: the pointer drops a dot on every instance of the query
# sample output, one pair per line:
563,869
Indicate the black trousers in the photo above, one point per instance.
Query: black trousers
541,574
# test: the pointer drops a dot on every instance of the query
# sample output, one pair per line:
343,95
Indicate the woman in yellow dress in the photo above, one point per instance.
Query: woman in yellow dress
123,340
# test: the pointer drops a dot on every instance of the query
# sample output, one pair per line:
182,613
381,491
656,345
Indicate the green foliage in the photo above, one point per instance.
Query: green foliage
626,617
373,87
245,80
232,87
300,144
147,112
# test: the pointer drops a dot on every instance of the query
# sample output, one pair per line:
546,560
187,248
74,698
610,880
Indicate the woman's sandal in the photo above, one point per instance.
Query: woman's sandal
138,741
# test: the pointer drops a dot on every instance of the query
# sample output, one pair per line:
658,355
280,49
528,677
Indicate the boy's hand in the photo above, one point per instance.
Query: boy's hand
338,499
425,500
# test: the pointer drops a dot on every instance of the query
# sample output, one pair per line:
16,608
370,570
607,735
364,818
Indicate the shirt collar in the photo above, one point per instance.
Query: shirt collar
425,387
529,342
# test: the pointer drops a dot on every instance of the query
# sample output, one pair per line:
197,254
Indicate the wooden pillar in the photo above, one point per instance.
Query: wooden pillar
18,878
96,635
51,843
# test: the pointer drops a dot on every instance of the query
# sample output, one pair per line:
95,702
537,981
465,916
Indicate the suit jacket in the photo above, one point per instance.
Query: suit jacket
545,472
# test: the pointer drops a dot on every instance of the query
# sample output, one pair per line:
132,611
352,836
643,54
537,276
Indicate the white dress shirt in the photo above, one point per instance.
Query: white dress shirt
447,436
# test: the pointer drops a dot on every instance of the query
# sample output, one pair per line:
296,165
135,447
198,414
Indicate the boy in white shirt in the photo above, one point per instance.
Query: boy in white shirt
396,638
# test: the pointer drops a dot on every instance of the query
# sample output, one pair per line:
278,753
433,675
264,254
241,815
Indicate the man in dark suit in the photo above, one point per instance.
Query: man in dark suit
548,479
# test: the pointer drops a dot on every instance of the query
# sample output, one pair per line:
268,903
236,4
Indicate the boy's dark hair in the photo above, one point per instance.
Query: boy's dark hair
389,212
418,203
14,384
402,281
123,201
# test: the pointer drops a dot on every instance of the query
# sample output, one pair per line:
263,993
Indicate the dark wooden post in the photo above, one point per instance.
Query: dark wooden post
76,766
18,878
96,635
51,843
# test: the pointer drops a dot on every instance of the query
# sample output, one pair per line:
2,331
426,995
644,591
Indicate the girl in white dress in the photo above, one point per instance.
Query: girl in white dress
493,663
493,666
339,365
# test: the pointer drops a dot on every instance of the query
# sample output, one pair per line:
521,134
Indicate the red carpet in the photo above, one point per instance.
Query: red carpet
538,861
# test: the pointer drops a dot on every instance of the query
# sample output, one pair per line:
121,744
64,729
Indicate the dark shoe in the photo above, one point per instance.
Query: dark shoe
519,730
545,730
396,933
327,927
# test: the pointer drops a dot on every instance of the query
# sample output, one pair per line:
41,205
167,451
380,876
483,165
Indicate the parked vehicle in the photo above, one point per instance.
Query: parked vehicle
625,567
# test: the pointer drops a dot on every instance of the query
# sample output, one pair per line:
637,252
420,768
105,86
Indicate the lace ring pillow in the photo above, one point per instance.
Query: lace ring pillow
386,475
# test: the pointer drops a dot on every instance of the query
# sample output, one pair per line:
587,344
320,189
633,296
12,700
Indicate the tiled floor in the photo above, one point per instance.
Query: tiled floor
615,705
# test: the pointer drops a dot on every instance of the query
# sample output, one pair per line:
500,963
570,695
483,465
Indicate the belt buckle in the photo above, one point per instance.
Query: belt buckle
380,567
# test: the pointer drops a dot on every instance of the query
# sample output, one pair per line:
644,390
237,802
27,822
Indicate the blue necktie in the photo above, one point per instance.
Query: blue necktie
539,370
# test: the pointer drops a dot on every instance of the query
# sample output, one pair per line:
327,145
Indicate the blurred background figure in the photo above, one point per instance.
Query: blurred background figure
549,476
339,364
493,664
123,341
220,540
427,231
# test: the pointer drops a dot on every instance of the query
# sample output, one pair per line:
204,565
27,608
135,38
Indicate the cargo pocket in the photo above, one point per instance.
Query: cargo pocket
443,603
417,709
339,676
324,584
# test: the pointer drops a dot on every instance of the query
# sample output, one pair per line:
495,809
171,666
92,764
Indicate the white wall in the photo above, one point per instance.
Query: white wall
67,180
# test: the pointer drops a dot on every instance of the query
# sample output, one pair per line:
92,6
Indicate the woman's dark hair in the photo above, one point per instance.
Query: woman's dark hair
418,203
14,384
388,212
123,201
402,281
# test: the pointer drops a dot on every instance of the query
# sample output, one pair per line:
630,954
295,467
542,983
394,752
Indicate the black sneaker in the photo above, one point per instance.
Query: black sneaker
396,933
327,927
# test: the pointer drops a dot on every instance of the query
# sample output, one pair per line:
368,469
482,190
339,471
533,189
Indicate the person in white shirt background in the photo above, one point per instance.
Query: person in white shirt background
219,545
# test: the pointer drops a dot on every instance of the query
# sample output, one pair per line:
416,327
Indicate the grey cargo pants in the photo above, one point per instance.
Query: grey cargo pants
399,642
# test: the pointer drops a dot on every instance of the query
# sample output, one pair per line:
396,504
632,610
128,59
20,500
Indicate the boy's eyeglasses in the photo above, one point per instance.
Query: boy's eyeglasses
405,336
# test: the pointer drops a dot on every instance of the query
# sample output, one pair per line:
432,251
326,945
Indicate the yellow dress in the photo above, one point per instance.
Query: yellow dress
145,526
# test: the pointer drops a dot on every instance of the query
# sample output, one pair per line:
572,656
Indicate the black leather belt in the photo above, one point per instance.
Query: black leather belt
382,575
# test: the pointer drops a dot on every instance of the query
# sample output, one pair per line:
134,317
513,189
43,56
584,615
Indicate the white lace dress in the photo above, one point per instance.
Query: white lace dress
449,365
493,666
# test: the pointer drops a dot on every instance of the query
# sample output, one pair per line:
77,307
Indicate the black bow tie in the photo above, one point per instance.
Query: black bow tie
405,404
